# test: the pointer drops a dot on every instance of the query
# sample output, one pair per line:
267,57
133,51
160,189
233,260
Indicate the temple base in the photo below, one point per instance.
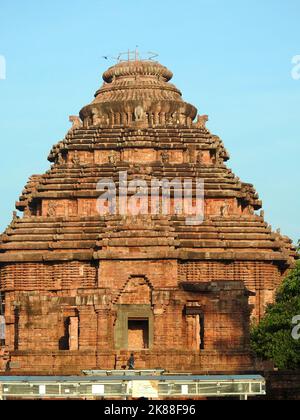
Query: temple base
74,363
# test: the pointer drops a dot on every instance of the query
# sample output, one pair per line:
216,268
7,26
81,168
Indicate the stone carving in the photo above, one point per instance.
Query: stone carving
76,160
224,209
95,119
175,119
139,113
27,211
200,157
76,121
112,159
60,159
165,157
201,121
52,206
182,119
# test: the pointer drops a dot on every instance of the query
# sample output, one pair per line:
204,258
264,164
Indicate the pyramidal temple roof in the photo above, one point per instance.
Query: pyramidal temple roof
141,88
139,123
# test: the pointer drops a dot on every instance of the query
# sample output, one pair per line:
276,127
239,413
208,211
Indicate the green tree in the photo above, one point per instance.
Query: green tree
272,338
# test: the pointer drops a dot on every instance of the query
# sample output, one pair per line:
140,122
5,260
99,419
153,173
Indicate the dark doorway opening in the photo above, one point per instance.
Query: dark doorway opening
202,332
138,334
64,342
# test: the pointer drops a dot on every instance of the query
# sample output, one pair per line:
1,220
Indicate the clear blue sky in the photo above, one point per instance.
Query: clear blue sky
232,59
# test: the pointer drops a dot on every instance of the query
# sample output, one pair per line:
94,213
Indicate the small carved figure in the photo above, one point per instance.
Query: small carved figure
95,117
224,210
165,157
182,119
201,121
27,211
200,157
139,113
112,159
52,209
176,118
76,121
60,159
76,159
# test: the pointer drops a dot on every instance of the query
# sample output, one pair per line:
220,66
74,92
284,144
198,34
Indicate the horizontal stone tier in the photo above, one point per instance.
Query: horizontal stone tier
154,132
66,182
97,139
226,223
88,143
181,255
75,171
92,178
149,134
236,236
91,187
140,245
133,133
93,173
215,235
230,244
55,245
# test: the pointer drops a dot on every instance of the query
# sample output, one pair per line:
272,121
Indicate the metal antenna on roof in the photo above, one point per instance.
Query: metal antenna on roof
132,56
110,57
152,55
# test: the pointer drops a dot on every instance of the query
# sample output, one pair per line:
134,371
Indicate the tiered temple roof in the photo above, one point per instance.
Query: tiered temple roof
139,123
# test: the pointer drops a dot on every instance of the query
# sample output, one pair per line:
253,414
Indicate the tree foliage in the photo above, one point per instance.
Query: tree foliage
272,339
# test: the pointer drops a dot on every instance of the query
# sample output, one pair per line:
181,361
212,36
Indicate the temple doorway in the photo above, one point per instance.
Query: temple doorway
138,334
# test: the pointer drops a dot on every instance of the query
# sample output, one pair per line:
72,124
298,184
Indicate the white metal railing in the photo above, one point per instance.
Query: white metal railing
162,386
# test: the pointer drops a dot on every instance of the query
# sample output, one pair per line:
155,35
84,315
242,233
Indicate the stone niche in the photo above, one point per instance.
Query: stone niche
221,207
204,157
80,157
176,156
139,155
199,157
87,207
134,321
103,157
59,208
134,327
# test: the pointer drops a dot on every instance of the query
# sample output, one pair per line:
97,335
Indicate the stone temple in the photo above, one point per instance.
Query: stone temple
82,290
